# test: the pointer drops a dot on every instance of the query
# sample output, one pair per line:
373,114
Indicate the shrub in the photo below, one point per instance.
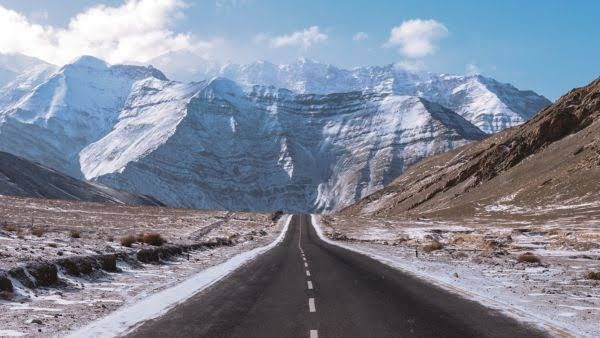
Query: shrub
593,275
9,227
75,234
153,239
128,241
433,246
37,231
528,257
53,245
140,237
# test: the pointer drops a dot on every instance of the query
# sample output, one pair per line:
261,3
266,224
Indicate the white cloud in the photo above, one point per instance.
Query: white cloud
472,69
416,38
411,66
360,36
305,38
136,31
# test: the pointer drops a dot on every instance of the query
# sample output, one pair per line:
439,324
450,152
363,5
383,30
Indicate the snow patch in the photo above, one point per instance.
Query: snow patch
127,318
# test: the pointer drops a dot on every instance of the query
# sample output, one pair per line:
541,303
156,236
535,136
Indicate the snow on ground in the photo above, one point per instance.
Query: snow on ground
128,317
76,301
479,261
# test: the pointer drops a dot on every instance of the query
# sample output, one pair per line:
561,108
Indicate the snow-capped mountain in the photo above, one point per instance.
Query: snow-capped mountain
72,108
216,144
13,65
266,149
490,105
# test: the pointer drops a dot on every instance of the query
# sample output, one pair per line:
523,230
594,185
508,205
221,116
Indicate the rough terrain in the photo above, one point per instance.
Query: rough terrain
66,263
538,272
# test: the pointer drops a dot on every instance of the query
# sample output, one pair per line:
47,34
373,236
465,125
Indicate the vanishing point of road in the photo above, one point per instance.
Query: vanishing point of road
305,287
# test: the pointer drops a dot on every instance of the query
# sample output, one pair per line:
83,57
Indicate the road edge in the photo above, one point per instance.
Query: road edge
516,313
129,317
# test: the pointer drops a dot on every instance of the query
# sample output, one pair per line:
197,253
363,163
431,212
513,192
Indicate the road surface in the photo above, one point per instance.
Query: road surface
305,287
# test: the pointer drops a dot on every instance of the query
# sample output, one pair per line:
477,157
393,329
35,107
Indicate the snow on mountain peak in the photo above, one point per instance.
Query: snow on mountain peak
490,105
88,62
229,142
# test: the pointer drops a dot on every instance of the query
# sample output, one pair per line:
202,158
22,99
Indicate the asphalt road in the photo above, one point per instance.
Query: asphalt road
305,287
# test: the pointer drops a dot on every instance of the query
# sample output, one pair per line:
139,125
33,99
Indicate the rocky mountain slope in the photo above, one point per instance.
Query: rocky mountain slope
490,105
72,108
267,149
215,144
19,177
548,165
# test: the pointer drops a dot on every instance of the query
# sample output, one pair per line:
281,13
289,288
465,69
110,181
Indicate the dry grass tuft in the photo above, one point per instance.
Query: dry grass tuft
37,231
9,227
128,241
528,257
75,234
593,275
153,239
433,246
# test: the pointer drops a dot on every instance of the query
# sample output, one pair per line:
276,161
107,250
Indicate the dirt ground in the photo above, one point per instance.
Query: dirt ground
541,270
37,231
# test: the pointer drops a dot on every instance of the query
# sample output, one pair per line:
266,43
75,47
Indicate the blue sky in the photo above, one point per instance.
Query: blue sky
548,46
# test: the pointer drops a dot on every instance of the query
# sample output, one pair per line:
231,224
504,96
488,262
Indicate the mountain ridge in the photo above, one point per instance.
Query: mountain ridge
487,103
521,170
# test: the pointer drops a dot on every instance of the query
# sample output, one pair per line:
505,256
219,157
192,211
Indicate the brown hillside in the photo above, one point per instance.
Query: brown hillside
548,165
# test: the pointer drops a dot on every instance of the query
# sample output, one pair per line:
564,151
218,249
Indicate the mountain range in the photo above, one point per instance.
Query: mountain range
547,167
225,144
488,104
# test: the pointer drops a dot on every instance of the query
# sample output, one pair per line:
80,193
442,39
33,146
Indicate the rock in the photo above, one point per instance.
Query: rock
5,283
45,274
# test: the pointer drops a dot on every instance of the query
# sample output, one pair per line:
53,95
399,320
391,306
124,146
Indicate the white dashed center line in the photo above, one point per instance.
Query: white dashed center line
309,284
311,305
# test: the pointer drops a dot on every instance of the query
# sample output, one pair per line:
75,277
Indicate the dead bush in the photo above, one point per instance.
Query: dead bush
433,246
154,239
53,245
75,234
9,227
528,257
140,237
593,275
128,241
37,231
